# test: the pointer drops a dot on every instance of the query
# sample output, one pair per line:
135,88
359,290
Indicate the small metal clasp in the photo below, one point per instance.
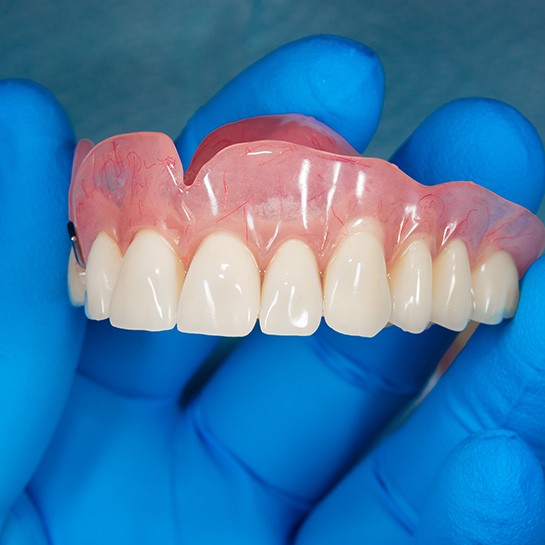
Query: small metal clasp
75,244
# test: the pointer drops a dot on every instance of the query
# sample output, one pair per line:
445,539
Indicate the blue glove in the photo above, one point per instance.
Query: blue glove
98,447
464,468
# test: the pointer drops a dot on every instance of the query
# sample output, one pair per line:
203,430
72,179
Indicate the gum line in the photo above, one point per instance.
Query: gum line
268,191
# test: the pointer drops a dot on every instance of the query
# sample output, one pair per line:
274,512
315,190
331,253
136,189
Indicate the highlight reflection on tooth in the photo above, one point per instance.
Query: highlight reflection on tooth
356,291
495,289
148,286
411,288
221,292
102,270
291,297
452,300
76,281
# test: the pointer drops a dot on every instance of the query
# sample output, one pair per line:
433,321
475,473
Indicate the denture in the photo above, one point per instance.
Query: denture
279,219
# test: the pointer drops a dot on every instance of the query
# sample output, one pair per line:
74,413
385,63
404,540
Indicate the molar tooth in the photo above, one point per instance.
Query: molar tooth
356,291
291,297
411,287
495,286
76,281
148,286
102,270
221,292
452,301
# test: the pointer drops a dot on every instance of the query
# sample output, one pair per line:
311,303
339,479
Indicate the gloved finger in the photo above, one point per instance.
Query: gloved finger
279,401
40,334
322,76
482,140
490,490
498,380
336,80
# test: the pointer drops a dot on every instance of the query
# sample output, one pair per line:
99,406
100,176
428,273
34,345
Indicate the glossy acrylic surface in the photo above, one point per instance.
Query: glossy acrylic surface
268,191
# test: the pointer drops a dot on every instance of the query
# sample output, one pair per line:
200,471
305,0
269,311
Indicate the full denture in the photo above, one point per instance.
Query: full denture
268,181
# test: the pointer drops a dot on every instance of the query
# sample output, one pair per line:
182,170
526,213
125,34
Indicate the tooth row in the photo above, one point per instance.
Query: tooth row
222,292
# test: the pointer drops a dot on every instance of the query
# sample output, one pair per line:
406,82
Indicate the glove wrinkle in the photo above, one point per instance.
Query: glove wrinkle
226,457
399,509
356,373
24,524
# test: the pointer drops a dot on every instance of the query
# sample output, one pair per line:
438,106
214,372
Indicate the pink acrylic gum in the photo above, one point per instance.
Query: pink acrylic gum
271,179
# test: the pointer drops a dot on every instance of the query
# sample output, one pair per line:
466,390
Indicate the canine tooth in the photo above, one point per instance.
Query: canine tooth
411,287
102,269
221,292
452,301
495,285
356,291
76,281
148,286
291,297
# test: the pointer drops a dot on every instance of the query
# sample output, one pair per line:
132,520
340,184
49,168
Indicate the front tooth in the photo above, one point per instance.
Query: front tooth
148,286
452,301
291,297
495,285
221,292
102,270
356,291
76,281
411,287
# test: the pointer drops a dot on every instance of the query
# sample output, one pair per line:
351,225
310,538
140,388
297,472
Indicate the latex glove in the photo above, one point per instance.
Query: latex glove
247,458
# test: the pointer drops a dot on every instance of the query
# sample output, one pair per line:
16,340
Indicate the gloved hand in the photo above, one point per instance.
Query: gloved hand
97,444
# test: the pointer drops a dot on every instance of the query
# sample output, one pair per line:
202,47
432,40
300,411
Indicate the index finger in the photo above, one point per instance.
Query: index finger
338,81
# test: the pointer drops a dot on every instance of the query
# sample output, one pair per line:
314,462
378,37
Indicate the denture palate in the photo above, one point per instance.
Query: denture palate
278,219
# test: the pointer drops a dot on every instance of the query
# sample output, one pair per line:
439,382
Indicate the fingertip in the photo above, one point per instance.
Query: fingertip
481,140
29,109
336,80
38,144
490,490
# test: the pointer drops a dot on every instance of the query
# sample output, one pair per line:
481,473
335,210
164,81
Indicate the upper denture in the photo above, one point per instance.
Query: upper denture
273,179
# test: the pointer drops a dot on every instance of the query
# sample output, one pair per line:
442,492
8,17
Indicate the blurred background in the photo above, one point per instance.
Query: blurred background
122,66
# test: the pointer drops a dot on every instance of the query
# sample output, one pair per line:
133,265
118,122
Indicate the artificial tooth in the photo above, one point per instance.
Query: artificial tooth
356,292
148,286
76,281
411,287
291,297
221,291
495,285
102,269
452,300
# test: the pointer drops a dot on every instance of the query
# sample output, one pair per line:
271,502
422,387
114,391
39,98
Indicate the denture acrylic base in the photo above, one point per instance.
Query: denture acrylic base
278,218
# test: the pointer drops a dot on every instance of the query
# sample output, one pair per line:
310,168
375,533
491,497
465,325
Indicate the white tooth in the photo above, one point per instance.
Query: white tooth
148,286
495,285
356,291
452,300
291,297
102,269
411,288
221,292
76,281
